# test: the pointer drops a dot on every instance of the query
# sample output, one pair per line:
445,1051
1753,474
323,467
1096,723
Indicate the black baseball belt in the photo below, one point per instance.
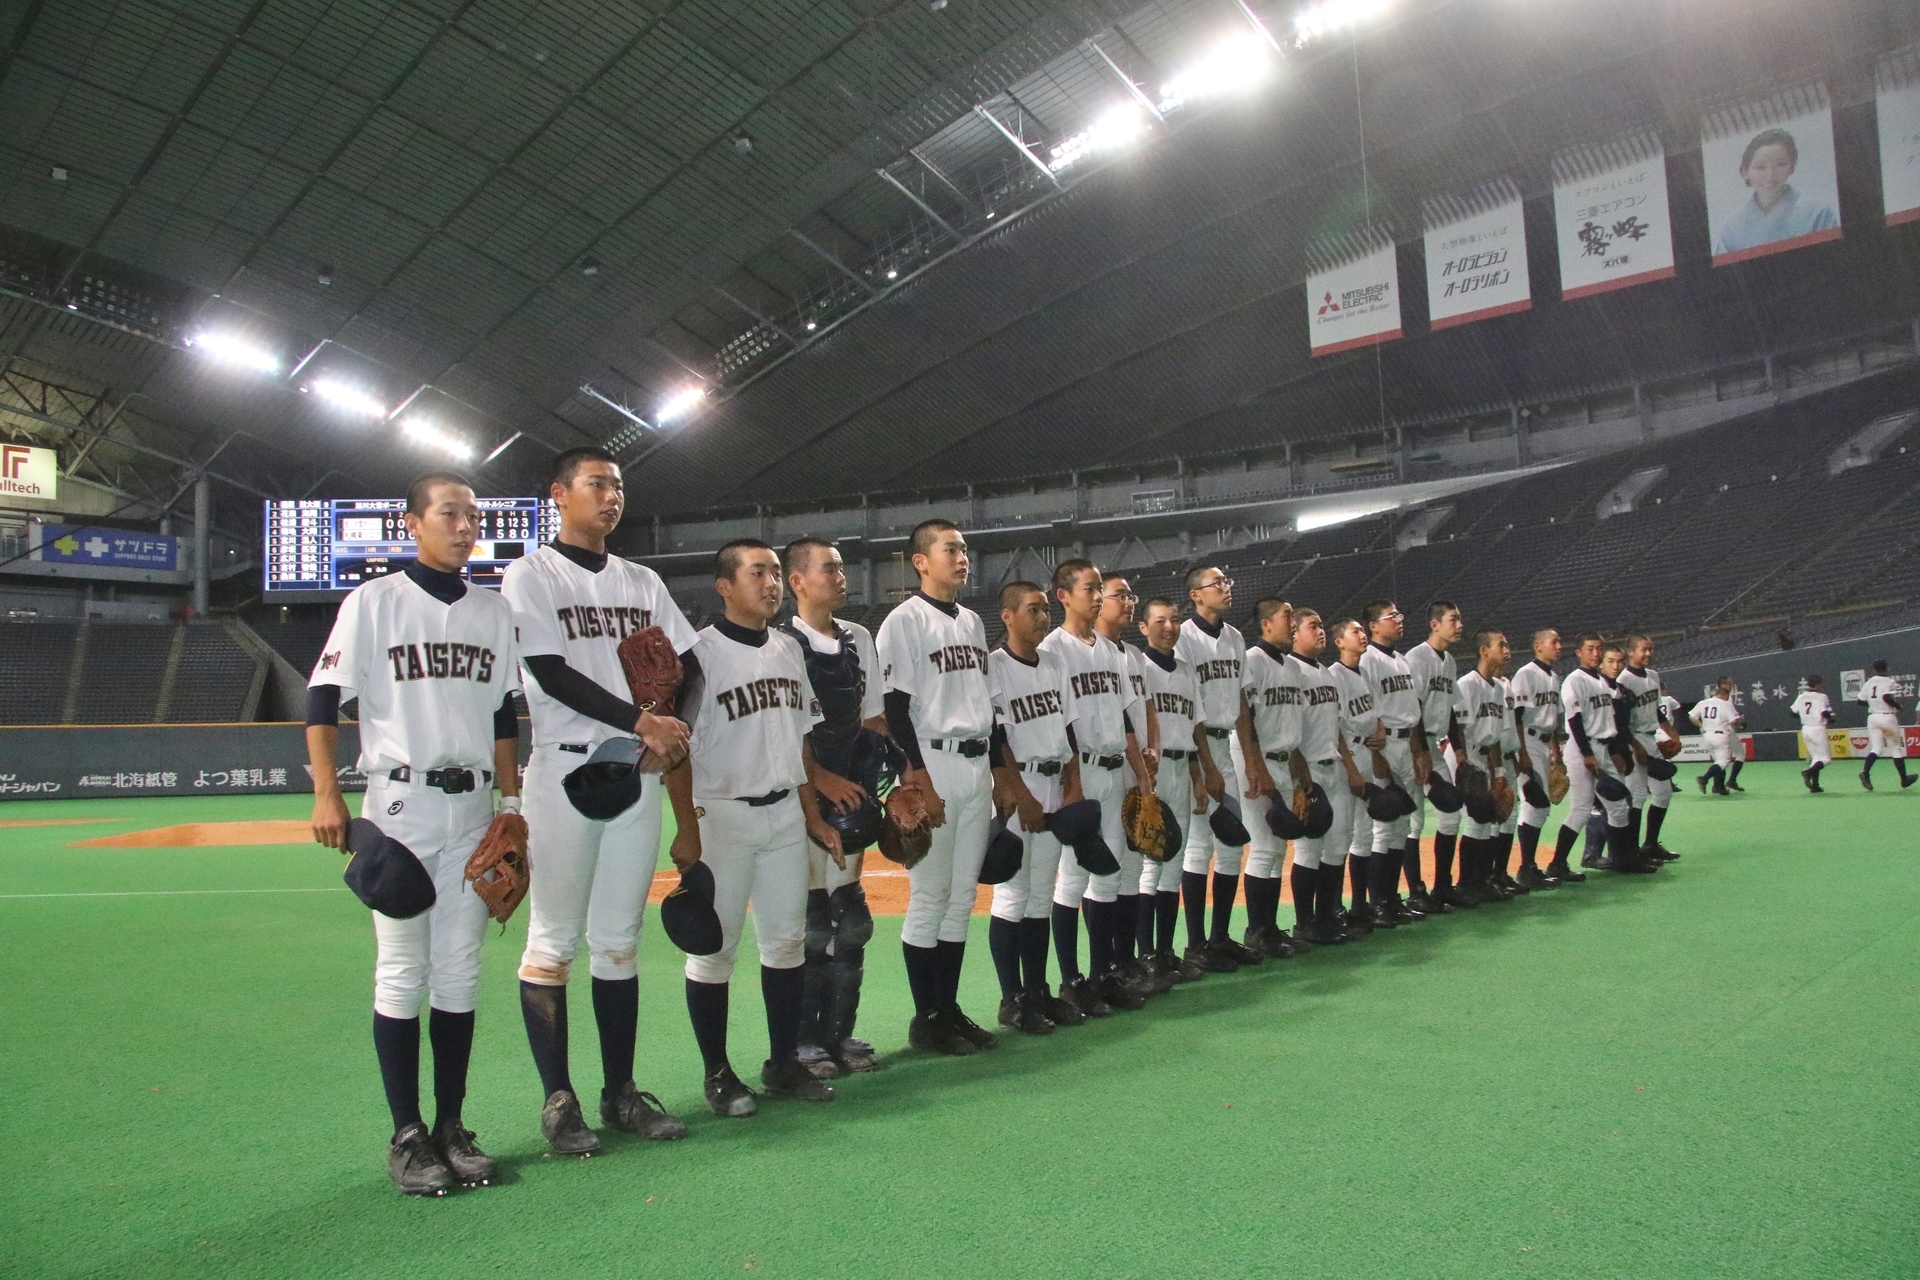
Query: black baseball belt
971,748
1279,757
1103,762
1045,768
1400,733
1219,733
452,781
761,802
1177,755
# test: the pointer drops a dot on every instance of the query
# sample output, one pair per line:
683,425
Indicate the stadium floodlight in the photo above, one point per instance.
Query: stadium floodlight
679,406
1236,63
1334,15
423,432
1116,127
227,349
342,396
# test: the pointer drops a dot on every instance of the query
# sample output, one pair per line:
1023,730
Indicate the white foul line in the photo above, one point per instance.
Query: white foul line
165,893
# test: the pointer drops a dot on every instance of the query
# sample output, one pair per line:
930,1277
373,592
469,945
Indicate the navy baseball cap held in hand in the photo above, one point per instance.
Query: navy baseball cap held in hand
1004,852
687,913
608,784
385,874
1078,827
1226,824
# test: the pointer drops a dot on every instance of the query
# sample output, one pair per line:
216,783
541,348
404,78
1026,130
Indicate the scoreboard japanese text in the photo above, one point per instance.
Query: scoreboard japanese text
335,544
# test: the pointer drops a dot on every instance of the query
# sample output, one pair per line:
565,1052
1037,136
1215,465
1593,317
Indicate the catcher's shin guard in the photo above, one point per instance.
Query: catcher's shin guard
847,972
816,993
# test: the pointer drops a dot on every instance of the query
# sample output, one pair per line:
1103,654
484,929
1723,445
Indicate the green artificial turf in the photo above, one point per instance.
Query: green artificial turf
1708,1072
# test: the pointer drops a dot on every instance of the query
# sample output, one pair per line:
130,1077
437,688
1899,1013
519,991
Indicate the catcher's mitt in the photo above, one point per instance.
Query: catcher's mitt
1146,833
653,670
498,868
906,835
1669,747
1557,782
1502,797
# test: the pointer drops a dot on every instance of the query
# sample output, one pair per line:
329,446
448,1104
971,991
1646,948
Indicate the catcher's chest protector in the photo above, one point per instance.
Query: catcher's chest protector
840,686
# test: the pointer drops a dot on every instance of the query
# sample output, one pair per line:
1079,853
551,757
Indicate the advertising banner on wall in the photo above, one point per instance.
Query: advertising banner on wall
112,548
1766,684
1610,217
1353,294
1898,106
1476,257
1771,180
27,472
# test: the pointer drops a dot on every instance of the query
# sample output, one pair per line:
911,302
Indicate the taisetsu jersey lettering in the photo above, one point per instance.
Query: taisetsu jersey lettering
1217,669
765,694
1170,703
440,660
1088,684
957,657
614,621
1033,706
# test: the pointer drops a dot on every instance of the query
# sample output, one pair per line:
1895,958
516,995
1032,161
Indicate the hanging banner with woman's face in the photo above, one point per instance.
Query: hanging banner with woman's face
1610,217
1771,183
1898,106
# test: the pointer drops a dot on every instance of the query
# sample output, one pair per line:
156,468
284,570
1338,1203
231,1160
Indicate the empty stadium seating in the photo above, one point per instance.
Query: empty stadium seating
39,657
214,678
124,673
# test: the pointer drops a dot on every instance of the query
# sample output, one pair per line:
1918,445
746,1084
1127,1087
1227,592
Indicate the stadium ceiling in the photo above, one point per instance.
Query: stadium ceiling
539,224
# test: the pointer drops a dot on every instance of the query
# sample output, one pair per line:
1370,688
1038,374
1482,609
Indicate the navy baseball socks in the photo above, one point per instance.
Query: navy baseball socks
707,1010
1193,893
1003,943
1166,909
922,964
781,990
1359,875
1034,936
616,1012
1066,942
544,1010
1145,909
396,1042
1866,771
1305,881
1225,889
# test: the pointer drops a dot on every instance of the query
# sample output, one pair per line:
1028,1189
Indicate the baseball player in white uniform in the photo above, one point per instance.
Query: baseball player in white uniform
933,662
1646,725
1118,602
750,708
1184,758
1271,687
1396,701
1217,651
1541,726
1815,712
1360,723
1323,757
572,606
1435,674
1885,737
1719,721
1035,772
1592,773
1480,703
434,665
1102,711
844,667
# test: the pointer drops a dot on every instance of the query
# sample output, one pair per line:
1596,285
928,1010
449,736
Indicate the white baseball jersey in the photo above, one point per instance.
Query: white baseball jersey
1643,687
1670,710
1481,705
1509,732
1217,654
1715,715
429,676
936,653
1135,668
1813,708
1536,696
756,704
1877,692
1588,697
1319,710
1030,704
1436,677
1099,691
872,696
1173,690
1358,719
1396,699
561,608
1271,685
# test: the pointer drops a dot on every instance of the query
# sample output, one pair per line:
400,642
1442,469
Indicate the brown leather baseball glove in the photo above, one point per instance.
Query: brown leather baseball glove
1557,782
1669,746
498,869
1146,833
653,670
906,835
1502,797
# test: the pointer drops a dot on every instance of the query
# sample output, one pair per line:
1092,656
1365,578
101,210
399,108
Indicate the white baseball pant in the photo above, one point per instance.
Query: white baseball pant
1174,784
1203,847
1029,894
1647,790
587,878
1580,793
1512,824
1330,850
1540,756
1721,746
1819,745
1267,852
941,889
758,855
1885,737
1446,824
1391,837
1073,882
436,954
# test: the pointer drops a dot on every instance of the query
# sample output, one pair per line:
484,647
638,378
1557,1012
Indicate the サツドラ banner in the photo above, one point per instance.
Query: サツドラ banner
1353,294
1610,217
1476,257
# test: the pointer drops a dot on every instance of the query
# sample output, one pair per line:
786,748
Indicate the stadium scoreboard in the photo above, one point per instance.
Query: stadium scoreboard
321,547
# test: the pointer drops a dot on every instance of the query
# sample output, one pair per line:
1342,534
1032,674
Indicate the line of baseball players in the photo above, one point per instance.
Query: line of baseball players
1322,735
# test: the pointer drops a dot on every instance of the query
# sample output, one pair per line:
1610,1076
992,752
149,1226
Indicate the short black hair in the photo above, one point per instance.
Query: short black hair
1112,575
1067,570
799,552
1483,638
423,485
1437,609
726,561
569,462
1880,666
1637,638
1198,572
920,541
1815,681
1160,602
1375,610
1264,609
1594,636
1013,592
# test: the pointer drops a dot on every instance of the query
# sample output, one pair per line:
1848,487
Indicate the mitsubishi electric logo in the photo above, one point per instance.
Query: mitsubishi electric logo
1328,304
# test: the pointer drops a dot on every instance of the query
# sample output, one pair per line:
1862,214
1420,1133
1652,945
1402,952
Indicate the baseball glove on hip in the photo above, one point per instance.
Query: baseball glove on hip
1146,833
498,869
1557,782
906,835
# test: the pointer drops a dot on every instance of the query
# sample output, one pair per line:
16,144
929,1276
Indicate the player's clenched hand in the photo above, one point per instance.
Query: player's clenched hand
666,737
1525,761
1259,781
685,849
330,818
1422,767
827,838
1355,783
936,807
1215,785
1032,816
837,791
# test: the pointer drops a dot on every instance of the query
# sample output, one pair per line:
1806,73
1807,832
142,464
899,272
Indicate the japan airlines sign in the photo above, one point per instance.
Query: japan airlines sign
27,472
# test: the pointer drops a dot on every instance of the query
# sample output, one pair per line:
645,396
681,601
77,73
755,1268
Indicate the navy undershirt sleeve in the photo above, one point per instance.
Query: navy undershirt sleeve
506,721
900,724
323,704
